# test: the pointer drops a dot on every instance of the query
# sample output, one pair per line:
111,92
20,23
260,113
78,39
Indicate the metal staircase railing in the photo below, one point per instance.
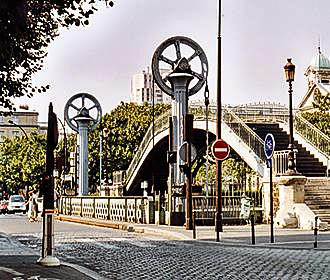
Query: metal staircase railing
247,135
312,134
237,125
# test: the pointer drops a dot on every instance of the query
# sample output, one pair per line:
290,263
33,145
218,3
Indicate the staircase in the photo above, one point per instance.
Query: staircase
317,198
307,164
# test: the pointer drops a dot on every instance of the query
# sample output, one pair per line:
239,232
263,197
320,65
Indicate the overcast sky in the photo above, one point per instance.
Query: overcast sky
257,37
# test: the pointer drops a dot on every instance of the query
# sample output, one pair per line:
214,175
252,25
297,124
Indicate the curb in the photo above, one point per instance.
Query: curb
90,273
170,235
98,223
257,246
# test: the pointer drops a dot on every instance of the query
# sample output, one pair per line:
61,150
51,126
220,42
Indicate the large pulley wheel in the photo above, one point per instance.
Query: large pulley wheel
82,105
182,47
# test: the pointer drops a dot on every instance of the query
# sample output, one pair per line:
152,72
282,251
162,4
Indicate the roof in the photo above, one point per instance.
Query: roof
320,61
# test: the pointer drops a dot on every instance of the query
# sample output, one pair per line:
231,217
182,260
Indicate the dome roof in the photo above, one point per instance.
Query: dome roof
320,61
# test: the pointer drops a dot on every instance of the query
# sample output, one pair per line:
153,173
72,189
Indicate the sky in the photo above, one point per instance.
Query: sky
257,37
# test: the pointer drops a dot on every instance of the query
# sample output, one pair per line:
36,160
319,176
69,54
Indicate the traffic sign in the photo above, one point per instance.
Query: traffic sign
269,145
220,149
182,152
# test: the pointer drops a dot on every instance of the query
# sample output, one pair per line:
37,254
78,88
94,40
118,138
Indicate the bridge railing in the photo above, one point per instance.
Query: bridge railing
280,162
249,137
229,117
120,209
205,207
312,134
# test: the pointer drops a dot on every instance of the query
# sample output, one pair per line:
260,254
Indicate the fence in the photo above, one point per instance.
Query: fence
204,207
121,209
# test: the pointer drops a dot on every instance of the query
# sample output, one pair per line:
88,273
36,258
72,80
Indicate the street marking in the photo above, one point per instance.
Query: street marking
103,245
220,149
134,242
11,271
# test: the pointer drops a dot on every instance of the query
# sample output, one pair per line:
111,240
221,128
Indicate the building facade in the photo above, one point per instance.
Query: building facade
318,78
20,122
142,89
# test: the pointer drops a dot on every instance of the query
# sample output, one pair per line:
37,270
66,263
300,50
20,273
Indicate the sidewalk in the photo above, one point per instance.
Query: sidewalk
18,262
231,235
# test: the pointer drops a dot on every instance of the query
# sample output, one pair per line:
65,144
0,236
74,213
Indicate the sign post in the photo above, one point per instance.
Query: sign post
220,150
269,147
47,252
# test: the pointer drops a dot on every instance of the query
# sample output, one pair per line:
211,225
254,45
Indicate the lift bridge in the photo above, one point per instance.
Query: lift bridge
244,129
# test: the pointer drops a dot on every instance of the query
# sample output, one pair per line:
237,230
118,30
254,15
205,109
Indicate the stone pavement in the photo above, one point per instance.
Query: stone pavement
162,252
18,262
231,235
136,256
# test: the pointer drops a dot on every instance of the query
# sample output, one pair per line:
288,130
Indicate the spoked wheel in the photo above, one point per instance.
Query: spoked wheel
186,51
82,104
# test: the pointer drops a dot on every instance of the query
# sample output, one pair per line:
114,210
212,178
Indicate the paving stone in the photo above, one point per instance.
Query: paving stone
134,257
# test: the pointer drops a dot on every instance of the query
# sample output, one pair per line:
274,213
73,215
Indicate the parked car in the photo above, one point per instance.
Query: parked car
3,207
16,203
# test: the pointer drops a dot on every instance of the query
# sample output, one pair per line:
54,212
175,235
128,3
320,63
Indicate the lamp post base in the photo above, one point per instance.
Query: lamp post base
292,172
49,261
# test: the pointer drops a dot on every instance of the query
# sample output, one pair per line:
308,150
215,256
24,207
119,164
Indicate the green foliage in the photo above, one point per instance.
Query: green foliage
233,171
322,102
22,161
123,130
321,120
27,27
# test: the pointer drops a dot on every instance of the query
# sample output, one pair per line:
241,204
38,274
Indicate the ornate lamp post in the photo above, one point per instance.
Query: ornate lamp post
289,70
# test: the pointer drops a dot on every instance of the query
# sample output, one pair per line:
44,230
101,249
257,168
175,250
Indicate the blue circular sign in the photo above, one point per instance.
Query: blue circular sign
269,145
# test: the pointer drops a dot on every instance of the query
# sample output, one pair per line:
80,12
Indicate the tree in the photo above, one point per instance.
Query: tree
27,27
320,118
22,162
123,130
322,102
234,170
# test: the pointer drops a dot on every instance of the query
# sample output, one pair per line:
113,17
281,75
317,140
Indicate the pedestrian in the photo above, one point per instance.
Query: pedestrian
32,212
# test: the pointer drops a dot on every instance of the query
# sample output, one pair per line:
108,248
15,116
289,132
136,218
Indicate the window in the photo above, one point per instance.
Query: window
15,133
15,119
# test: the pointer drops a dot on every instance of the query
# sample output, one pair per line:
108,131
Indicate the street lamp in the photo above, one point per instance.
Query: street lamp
15,124
289,70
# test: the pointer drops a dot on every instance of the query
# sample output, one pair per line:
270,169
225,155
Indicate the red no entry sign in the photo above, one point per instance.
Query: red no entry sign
220,149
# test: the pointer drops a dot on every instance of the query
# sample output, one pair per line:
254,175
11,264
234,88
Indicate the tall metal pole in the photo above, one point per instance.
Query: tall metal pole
101,152
218,219
207,102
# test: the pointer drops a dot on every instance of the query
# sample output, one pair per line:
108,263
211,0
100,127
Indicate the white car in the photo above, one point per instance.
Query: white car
16,203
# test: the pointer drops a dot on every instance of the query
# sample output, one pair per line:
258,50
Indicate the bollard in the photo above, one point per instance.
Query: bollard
252,230
315,232
194,226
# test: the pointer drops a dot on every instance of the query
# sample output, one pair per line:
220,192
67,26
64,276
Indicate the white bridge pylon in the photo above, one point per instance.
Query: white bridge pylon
228,135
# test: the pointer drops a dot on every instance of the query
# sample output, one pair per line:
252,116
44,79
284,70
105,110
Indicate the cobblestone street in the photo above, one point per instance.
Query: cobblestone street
118,255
